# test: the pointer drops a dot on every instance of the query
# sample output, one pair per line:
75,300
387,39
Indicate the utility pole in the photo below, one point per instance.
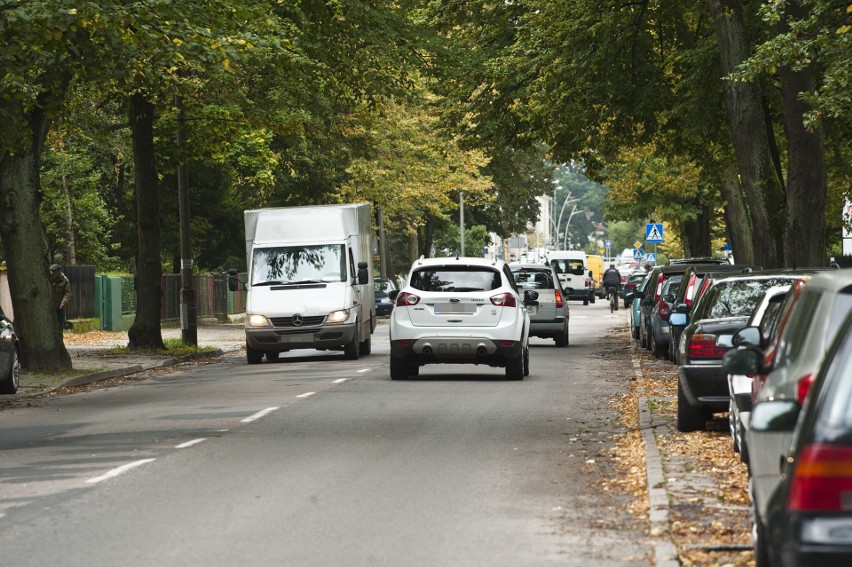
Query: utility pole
188,323
461,220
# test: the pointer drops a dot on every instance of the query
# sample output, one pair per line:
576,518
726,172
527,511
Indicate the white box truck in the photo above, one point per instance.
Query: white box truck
309,281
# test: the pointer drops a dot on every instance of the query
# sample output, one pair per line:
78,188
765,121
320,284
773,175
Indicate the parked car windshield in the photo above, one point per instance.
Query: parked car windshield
461,278
530,278
294,264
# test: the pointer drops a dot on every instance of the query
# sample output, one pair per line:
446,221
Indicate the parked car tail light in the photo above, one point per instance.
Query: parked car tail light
822,479
504,300
404,299
560,302
663,311
704,346
803,386
690,290
659,289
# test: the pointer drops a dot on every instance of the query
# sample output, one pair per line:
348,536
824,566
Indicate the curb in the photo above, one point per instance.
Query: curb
84,379
665,551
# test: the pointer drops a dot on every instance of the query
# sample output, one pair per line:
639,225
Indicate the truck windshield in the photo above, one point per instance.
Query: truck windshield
299,264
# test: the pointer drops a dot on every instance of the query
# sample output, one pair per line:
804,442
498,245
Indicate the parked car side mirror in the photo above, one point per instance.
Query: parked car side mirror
393,294
647,302
677,319
681,308
742,360
628,296
747,336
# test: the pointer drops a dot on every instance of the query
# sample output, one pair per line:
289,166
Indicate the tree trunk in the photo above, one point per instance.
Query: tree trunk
412,246
762,189
145,333
24,244
695,234
806,171
736,218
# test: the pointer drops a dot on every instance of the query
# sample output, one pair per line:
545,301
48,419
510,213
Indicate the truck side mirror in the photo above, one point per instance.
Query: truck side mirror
363,273
233,280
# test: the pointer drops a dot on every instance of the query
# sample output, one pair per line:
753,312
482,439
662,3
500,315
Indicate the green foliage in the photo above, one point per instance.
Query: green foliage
448,240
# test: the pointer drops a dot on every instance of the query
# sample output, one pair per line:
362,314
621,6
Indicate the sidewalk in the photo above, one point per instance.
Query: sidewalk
91,361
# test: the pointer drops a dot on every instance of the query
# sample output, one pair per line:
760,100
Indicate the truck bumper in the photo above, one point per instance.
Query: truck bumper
278,340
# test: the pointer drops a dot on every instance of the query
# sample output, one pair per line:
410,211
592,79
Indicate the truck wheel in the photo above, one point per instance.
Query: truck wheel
688,418
366,346
351,350
253,356
271,355
399,367
592,298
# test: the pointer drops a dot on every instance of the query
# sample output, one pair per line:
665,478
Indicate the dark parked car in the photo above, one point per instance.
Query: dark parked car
627,289
636,304
722,310
384,304
691,261
10,350
695,280
659,319
808,520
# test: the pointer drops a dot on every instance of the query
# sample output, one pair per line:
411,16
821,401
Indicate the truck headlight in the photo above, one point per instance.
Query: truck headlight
337,317
257,321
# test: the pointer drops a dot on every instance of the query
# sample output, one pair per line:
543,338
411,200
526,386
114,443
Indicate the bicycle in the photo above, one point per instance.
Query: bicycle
612,295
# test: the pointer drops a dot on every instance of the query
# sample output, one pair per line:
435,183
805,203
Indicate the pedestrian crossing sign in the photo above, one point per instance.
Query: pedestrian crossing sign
651,258
653,232
638,254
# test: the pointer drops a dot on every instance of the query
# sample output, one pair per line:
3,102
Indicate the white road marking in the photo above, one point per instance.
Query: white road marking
190,443
340,380
119,470
364,370
258,415
306,394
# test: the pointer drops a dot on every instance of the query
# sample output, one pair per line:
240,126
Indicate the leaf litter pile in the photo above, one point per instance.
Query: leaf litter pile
705,481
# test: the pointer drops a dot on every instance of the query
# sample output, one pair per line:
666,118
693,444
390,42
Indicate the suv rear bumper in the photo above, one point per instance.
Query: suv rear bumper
456,349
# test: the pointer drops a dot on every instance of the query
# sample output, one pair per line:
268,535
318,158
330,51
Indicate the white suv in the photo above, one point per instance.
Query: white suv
460,310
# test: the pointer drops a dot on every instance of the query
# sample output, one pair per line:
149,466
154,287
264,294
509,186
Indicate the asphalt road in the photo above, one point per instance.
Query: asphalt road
315,460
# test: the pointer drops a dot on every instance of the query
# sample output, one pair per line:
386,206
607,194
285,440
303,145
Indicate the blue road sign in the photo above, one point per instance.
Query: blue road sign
608,243
638,254
653,232
651,258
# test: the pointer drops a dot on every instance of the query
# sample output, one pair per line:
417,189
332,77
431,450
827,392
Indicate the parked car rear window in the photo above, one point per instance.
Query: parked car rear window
842,306
462,278
568,267
799,326
737,298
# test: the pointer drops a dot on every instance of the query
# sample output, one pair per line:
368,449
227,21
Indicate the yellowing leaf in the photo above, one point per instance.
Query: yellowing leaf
226,63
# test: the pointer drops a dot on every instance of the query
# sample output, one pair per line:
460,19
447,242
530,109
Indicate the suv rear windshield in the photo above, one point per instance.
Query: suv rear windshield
456,278
528,278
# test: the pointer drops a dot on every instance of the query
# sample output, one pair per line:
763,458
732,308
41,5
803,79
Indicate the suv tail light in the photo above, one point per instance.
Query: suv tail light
404,299
659,289
504,300
803,386
560,303
822,479
703,346
663,310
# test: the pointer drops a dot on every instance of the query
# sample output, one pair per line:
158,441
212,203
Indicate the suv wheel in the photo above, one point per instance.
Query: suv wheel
688,418
562,338
10,384
526,361
399,367
515,368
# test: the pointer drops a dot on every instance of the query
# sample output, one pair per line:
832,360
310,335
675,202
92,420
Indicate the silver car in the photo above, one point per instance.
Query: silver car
549,313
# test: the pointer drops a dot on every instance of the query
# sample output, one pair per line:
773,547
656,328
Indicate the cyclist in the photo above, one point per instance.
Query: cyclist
612,283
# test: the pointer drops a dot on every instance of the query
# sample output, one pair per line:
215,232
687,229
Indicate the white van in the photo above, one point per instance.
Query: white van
572,267
310,284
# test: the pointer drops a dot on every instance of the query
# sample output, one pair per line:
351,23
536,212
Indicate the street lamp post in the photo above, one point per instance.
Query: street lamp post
567,224
559,222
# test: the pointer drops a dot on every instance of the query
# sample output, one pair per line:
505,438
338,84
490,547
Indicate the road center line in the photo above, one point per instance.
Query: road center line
306,394
190,443
119,470
258,415
364,370
340,380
